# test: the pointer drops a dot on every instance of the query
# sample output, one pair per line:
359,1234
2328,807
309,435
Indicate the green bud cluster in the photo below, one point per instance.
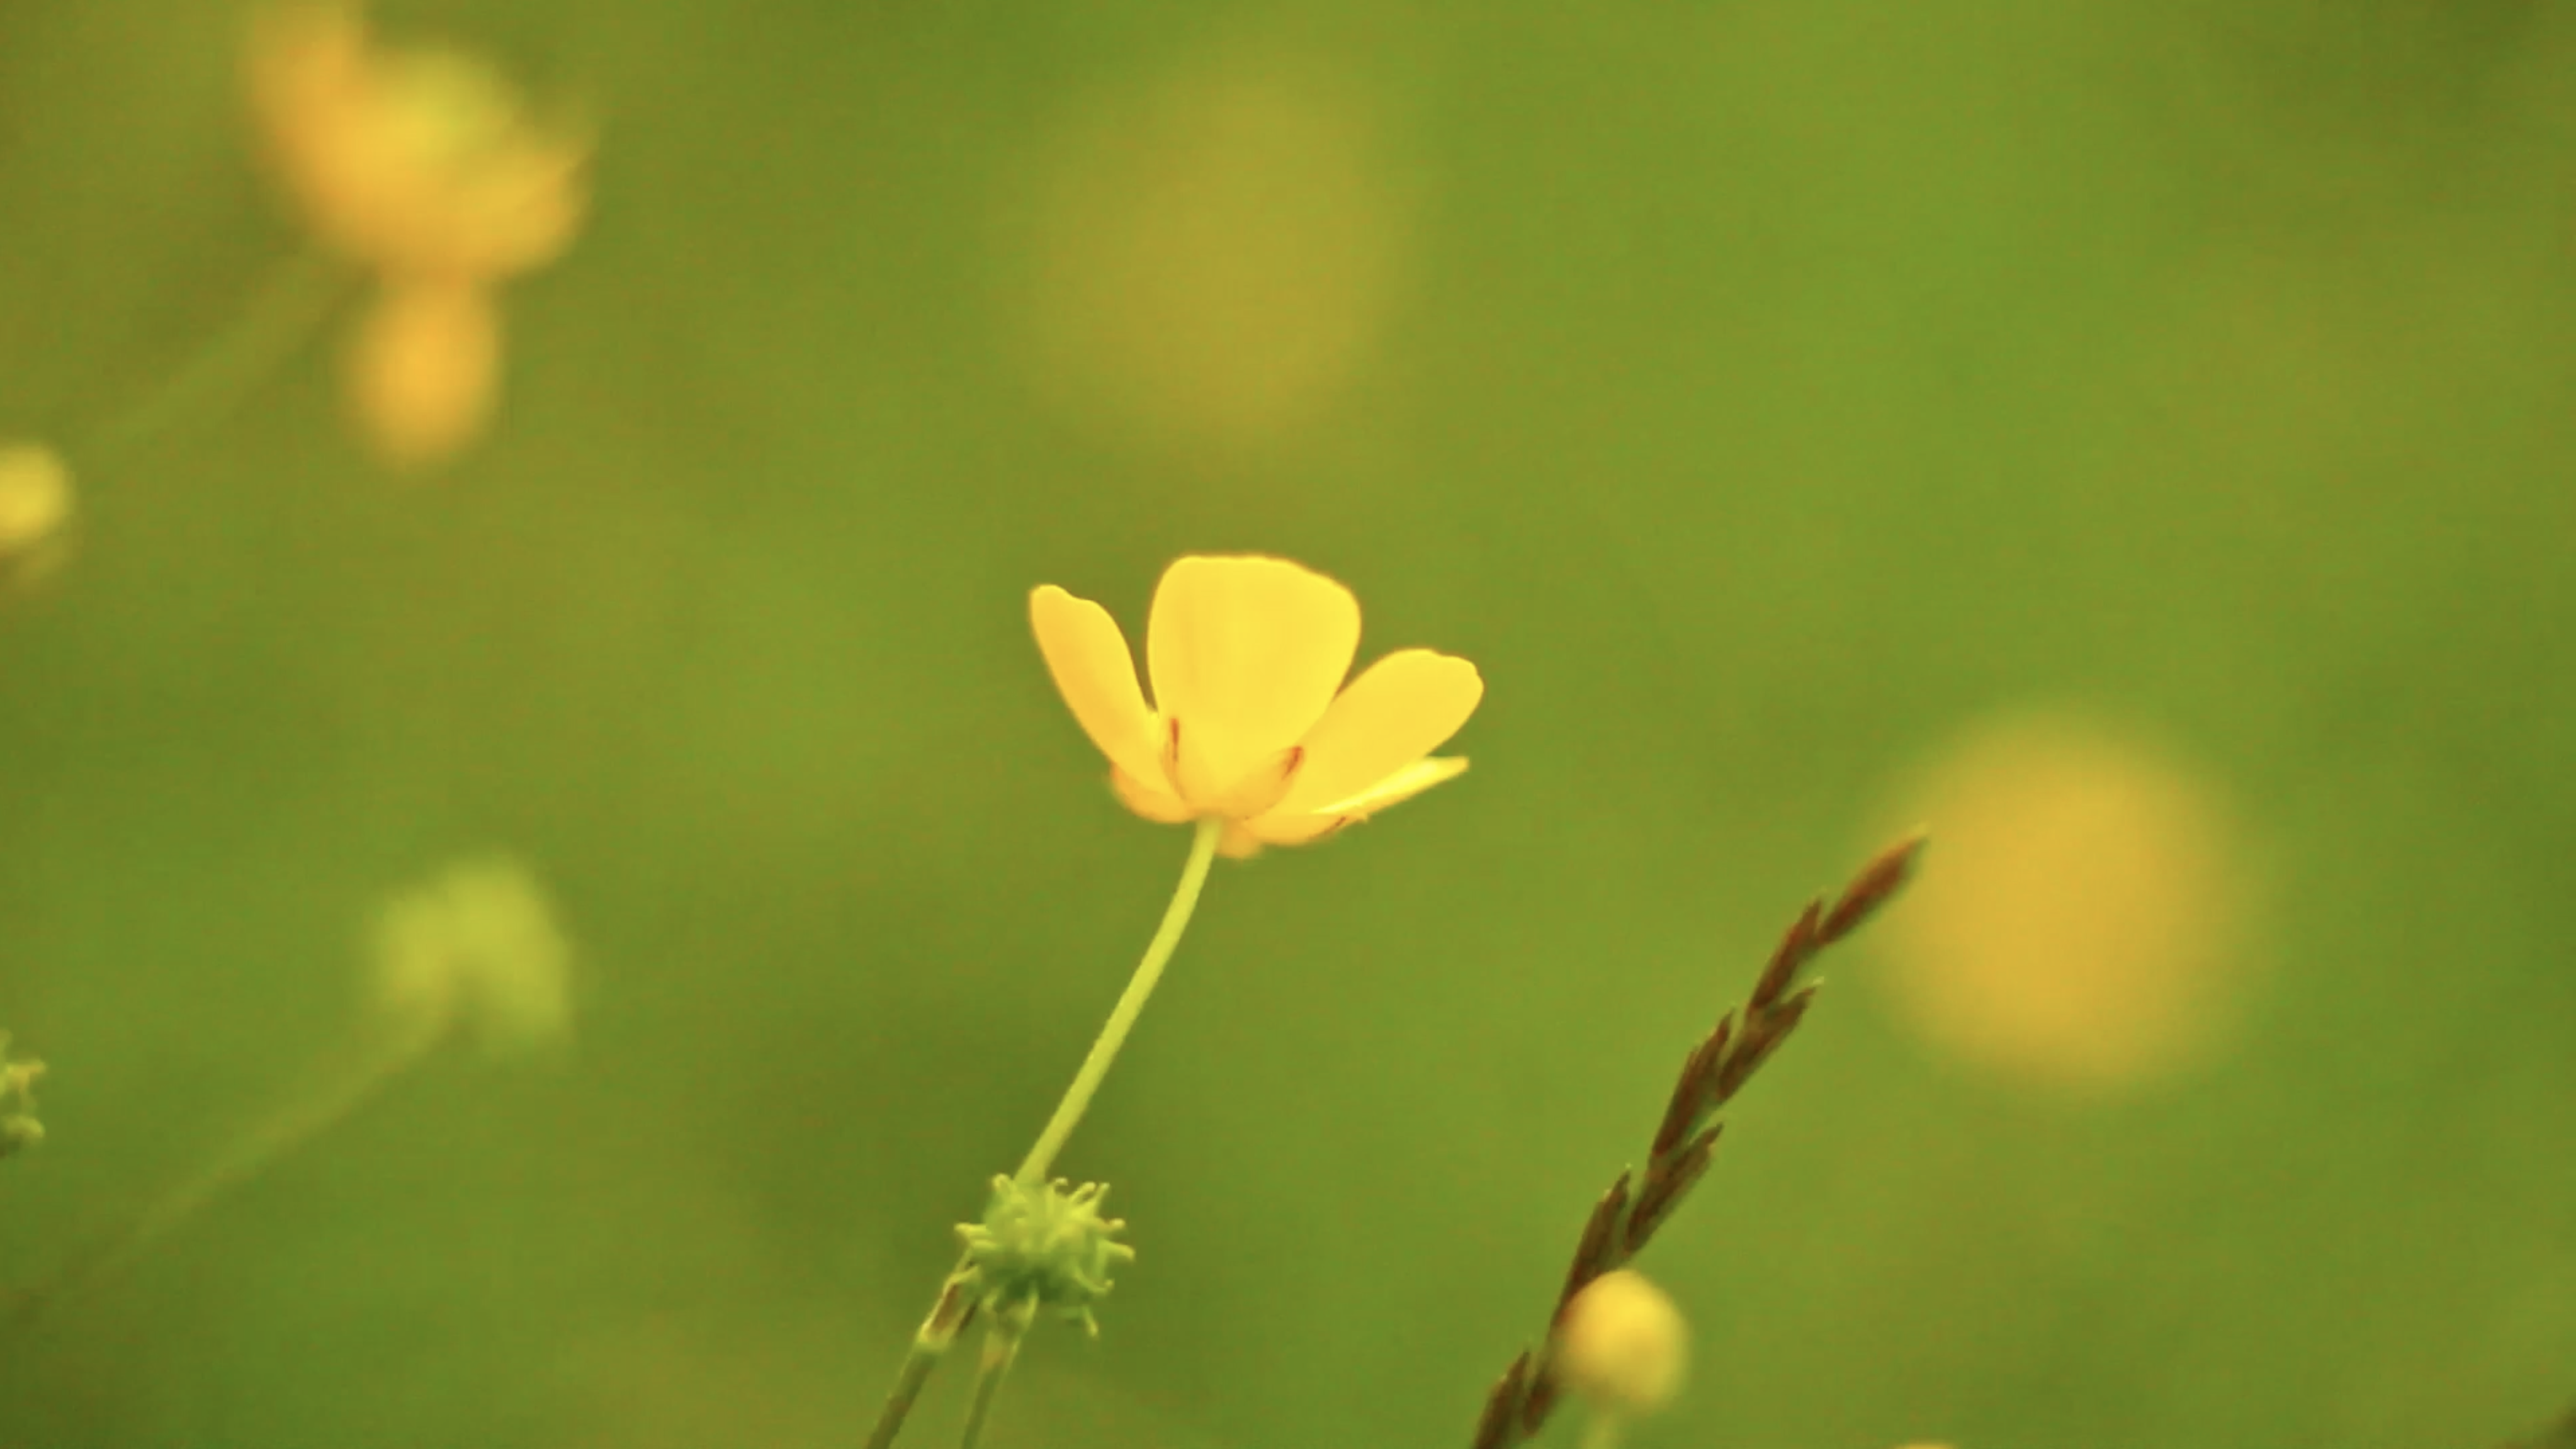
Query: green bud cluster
1043,1248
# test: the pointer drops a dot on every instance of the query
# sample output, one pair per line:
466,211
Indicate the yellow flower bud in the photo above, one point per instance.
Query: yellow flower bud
1622,1345
35,508
424,370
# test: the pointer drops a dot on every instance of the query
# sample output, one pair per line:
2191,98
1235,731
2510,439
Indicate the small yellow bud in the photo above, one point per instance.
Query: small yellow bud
35,508
1622,1345
424,370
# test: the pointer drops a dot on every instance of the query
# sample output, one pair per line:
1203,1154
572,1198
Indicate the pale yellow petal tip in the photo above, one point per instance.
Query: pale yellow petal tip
1191,566
1088,659
1399,787
1050,613
1290,596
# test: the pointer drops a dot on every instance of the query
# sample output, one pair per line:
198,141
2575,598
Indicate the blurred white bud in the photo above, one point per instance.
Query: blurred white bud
1622,1345
476,949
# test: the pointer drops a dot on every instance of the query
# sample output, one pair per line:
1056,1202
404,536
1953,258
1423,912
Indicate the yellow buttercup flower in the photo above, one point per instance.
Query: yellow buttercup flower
1250,722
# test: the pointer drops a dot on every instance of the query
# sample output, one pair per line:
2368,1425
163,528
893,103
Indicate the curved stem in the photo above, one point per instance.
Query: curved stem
955,1307
1131,1004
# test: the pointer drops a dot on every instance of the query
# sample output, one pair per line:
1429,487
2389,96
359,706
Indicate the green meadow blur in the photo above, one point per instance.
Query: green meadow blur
1760,393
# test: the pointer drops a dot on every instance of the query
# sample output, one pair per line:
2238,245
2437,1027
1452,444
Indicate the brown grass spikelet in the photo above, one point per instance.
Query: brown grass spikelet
1638,1204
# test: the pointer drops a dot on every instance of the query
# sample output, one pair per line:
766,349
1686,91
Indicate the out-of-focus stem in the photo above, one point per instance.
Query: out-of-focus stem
398,1050
281,318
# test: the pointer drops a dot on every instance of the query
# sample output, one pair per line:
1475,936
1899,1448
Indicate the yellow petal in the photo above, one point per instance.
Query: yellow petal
1093,671
1401,786
524,208
1150,800
1280,828
419,159
1259,790
1238,843
1284,827
1245,654
1401,709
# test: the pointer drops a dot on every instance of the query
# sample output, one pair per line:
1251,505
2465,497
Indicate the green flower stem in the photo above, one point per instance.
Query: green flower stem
949,1315
1001,1346
956,1304
1131,1004
917,1364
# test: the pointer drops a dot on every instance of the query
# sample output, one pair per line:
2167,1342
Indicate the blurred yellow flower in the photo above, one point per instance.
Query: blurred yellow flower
414,162
422,166
1250,722
2094,925
36,507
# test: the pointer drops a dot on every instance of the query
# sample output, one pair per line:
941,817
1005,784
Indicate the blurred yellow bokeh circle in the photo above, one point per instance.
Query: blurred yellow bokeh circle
36,509
2082,920
35,496
1210,255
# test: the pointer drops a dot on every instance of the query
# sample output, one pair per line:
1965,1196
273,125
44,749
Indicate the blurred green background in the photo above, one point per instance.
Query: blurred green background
1761,394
